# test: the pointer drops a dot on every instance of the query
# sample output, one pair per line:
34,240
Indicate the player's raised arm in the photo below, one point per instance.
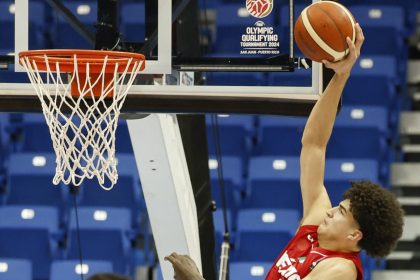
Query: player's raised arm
318,131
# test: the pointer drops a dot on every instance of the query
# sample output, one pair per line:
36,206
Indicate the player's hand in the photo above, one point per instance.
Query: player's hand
184,267
344,66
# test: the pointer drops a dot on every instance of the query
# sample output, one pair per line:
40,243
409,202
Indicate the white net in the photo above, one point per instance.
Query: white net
83,127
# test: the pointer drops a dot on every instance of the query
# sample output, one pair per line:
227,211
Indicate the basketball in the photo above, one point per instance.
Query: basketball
321,31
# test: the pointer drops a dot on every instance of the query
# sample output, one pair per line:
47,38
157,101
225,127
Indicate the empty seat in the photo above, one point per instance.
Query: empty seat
28,233
280,135
359,132
103,236
274,183
34,126
16,269
232,181
263,233
72,269
30,178
373,82
126,193
249,270
365,127
377,20
235,135
339,173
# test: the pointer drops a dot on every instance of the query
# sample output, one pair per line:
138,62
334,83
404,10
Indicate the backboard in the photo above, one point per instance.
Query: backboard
246,65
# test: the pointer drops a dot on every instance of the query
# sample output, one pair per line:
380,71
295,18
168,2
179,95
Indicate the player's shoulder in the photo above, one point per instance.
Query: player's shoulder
334,268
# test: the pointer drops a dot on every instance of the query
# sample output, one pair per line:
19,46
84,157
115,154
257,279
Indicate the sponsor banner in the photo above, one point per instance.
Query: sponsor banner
260,38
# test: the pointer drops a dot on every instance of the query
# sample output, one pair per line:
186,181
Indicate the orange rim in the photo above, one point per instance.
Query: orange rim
64,60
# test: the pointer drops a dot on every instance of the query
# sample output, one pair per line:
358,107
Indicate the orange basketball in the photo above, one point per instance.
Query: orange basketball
321,31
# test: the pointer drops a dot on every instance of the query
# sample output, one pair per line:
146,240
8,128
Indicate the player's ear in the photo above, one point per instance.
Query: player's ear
356,235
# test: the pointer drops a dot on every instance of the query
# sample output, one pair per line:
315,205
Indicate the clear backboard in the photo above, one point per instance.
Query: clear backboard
243,61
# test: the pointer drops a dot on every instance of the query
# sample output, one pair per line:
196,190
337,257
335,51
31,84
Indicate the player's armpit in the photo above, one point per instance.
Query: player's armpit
333,269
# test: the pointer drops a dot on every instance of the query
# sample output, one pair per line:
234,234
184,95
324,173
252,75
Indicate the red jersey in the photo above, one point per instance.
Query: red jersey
302,254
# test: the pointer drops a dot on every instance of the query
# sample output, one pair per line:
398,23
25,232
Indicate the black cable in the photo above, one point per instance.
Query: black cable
220,177
223,274
206,28
79,245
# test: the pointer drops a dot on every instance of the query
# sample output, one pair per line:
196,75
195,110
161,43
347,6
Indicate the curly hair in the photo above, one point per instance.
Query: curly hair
379,215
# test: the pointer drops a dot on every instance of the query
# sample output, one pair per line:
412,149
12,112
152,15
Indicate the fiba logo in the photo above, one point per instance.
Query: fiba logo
259,8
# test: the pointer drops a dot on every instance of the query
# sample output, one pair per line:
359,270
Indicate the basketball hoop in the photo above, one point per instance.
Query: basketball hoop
82,115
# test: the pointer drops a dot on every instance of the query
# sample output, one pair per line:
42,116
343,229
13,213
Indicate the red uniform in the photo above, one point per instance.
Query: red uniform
302,254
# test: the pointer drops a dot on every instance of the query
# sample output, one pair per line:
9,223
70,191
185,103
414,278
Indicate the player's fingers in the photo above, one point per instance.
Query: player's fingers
352,48
170,259
360,38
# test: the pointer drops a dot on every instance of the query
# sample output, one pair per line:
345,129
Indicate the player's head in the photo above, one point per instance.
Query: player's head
379,215
368,218
107,276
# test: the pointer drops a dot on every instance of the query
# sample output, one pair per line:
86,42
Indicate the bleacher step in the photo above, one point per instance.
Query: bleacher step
411,205
411,152
396,274
406,176
410,127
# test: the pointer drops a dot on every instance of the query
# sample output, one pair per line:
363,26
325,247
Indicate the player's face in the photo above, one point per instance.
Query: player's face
338,222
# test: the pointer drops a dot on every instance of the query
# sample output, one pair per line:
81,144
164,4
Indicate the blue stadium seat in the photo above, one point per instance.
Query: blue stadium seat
16,269
410,9
376,21
126,193
360,132
249,270
374,82
263,233
29,233
36,27
65,36
103,235
72,269
35,127
274,183
30,178
339,173
133,22
233,181
280,135
235,135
